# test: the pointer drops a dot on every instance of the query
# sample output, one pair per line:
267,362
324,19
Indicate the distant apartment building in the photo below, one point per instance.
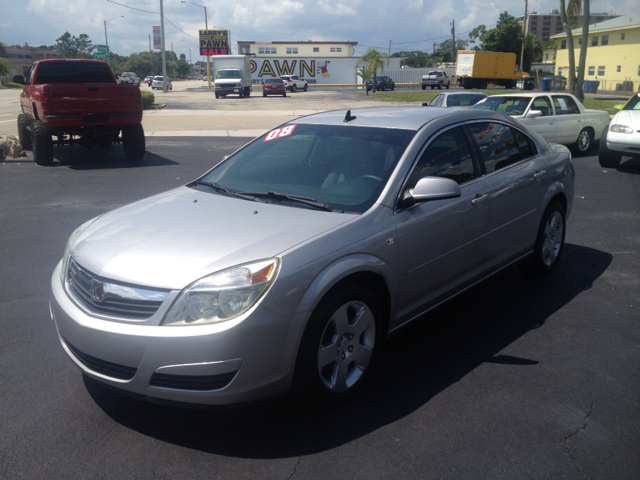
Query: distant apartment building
21,59
297,49
546,25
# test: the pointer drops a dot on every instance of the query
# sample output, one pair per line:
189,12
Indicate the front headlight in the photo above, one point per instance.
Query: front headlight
621,129
72,239
223,295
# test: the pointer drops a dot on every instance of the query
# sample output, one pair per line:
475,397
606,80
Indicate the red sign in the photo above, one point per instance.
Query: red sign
214,51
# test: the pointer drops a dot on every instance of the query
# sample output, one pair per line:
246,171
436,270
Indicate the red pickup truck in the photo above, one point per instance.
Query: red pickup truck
78,102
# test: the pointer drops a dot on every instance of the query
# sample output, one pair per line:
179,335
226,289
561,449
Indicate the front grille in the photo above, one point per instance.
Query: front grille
192,382
116,300
108,369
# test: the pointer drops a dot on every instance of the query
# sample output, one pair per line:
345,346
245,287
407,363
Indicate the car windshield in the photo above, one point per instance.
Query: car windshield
74,72
633,103
228,74
507,105
435,73
343,167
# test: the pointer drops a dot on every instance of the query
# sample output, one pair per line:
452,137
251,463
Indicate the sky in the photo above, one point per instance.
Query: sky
388,25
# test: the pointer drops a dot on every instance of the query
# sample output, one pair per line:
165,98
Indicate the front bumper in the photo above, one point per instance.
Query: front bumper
242,360
625,143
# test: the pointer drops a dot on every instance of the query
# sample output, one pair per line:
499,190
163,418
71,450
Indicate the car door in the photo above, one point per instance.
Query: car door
545,124
442,243
569,120
517,180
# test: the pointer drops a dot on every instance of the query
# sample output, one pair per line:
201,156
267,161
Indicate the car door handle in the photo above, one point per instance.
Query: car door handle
539,174
479,199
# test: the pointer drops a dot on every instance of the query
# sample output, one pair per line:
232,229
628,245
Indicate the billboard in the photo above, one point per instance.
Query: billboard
157,38
214,42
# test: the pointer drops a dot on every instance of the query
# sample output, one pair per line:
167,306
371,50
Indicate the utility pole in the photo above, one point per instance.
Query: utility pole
453,32
524,38
389,47
434,48
164,57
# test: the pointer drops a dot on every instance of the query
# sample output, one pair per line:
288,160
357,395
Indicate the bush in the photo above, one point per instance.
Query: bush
147,99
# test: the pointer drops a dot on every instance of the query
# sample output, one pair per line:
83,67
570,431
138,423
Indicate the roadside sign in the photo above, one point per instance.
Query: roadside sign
102,48
214,42
101,56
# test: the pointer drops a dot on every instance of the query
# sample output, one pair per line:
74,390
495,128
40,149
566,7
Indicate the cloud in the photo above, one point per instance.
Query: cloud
339,9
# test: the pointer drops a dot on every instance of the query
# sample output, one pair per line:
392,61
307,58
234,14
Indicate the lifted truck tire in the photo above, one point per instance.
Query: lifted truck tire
24,135
42,144
133,142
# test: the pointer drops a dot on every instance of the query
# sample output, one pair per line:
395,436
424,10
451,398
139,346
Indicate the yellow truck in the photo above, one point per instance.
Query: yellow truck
476,69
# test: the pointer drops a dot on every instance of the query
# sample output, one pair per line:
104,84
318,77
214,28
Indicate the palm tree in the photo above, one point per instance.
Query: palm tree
364,73
575,84
375,61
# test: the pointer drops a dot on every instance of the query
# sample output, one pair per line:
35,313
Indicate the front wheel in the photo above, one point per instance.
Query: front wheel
448,85
42,144
284,94
24,136
439,86
133,142
424,87
550,241
338,346
306,87
585,139
393,87
608,158
294,88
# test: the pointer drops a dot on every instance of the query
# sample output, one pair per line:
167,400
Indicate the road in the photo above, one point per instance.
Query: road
519,377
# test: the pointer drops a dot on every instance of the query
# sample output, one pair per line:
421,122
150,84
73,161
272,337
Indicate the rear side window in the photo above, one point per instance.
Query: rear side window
74,72
497,145
565,105
447,156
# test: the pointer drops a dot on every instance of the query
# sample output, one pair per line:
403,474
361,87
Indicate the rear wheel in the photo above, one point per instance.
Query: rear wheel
424,87
306,87
550,241
264,94
42,144
584,142
24,135
448,85
294,88
338,346
284,94
607,158
393,86
133,142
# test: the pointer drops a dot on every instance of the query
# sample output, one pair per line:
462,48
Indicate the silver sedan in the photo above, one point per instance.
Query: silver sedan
285,266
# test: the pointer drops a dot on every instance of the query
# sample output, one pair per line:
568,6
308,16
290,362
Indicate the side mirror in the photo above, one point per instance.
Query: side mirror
619,106
533,114
430,188
425,104
19,79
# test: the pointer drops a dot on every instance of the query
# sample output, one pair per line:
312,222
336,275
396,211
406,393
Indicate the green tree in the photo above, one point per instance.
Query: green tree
532,51
4,67
476,34
74,47
374,60
413,59
505,37
365,73
574,6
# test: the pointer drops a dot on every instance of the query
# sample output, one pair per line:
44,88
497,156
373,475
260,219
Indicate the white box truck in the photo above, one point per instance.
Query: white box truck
232,75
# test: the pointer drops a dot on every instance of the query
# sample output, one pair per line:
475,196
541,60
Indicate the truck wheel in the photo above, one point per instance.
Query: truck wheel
217,96
294,88
439,86
42,144
448,85
424,87
247,92
24,135
133,142
608,158
306,87
432,87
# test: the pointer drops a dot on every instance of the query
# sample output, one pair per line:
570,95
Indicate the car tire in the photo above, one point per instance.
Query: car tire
217,95
133,142
264,94
338,346
42,144
24,135
306,87
424,87
247,92
584,142
294,88
393,87
549,242
448,85
608,158
439,86
284,94
433,87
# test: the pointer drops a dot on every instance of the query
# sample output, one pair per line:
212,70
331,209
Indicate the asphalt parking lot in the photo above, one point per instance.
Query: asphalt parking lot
519,377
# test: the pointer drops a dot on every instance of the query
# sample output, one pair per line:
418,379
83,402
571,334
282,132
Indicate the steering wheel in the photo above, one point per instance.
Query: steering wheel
370,177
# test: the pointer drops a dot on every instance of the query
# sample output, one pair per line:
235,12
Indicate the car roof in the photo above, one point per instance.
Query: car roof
532,94
408,118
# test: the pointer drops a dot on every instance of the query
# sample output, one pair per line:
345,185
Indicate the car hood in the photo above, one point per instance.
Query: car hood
172,239
630,118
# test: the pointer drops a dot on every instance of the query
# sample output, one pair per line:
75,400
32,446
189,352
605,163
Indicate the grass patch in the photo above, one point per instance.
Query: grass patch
606,105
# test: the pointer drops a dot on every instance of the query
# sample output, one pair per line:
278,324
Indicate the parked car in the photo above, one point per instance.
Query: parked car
158,83
287,264
436,78
558,117
274,86
129,78
148,80
455,99
622,135
382,83
294,82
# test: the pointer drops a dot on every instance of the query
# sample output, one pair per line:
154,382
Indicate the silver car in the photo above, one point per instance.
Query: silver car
286,265
455,99
158,83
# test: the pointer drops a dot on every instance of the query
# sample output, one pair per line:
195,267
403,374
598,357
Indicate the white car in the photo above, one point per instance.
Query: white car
622,135
455,99
435,79
558,117
157,83
129,78
294,82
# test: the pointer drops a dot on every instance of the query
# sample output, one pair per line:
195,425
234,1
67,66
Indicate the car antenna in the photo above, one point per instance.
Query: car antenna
348,117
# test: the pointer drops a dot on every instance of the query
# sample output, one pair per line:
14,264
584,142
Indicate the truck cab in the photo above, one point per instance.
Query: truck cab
232,75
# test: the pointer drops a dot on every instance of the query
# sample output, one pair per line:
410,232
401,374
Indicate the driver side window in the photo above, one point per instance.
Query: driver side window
543,104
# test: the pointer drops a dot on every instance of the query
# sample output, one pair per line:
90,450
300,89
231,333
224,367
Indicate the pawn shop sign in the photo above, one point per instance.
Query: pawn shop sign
214,42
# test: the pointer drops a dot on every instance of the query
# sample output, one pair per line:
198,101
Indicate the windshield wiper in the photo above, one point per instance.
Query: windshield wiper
225,190
294,198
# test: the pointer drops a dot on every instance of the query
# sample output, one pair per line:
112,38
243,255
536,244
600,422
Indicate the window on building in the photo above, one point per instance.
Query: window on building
338,49
594,41
316,49
618,69
600,71
622,36
591,71
605,39
292,50
267,50
563,44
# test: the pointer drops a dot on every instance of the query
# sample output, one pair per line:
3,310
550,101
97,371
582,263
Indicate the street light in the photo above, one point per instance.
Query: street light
105,29
206,26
